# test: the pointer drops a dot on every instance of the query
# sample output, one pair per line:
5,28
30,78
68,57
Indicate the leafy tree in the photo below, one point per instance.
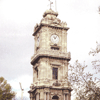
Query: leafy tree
96,63
85,84
5,90
19,98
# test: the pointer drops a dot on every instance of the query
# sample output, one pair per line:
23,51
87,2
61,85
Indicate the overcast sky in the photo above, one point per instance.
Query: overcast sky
17,21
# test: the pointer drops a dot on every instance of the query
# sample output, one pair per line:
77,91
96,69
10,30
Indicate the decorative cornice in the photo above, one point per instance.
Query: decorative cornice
52,54
55,63
50,87
50,20
49,25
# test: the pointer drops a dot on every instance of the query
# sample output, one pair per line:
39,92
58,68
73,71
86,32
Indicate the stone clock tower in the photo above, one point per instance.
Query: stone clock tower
50,60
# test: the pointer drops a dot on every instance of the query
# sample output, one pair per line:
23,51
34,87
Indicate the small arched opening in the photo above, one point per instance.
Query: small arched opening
55,97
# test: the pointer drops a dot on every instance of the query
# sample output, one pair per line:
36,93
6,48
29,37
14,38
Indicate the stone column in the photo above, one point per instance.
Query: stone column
64,96
35,45
31,96
41,95
48,96
37,96
47,69
44,95
70,96
67,96
33,75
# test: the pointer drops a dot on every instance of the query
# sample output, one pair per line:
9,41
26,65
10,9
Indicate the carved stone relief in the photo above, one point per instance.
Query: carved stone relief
44,29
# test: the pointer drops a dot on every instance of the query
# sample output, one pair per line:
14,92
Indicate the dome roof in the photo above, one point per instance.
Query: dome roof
51,12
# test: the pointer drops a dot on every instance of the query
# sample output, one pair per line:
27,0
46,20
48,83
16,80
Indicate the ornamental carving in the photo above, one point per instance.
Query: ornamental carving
56,83
44,29
64,24
36,27
51,19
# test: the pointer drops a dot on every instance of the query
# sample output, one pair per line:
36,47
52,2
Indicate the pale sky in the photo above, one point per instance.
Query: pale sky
17,21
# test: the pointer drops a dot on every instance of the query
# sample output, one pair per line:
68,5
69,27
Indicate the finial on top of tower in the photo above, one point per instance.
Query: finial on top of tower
50,3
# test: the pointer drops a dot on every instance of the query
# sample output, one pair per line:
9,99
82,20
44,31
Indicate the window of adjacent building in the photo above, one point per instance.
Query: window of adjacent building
55,73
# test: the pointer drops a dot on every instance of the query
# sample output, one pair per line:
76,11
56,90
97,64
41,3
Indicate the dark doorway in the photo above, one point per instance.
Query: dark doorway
55,98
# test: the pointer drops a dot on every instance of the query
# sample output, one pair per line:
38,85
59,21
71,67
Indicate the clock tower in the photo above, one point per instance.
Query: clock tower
50,60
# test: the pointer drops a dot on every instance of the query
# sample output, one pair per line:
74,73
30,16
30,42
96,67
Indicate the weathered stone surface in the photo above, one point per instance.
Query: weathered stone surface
49,55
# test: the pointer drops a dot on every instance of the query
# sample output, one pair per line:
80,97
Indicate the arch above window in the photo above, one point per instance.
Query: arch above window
55,97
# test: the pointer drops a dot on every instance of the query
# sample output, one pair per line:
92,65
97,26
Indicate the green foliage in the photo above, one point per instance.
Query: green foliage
85,84
5,90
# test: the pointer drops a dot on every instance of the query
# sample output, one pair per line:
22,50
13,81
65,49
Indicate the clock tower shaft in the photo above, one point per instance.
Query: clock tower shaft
51,59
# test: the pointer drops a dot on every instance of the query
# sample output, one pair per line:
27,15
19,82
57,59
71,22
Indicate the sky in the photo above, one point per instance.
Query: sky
17,21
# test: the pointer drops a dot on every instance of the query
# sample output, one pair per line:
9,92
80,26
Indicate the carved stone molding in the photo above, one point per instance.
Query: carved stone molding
56,83
36,65
55,64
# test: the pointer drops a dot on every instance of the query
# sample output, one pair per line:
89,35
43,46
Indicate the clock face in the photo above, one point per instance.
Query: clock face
38,40
54,38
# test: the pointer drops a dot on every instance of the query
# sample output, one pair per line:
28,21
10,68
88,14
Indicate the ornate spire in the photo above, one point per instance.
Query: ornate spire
50,4
51,12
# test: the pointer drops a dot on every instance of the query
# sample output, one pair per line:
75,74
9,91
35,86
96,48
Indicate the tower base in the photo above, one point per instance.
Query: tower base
50,93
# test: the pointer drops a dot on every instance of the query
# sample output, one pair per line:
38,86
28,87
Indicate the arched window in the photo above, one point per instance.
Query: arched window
55,98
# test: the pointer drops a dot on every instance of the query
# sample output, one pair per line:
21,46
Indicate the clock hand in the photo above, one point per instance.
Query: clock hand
55,37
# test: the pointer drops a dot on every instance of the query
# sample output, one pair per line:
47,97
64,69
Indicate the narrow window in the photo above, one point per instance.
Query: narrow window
55,73
37,73
54,48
